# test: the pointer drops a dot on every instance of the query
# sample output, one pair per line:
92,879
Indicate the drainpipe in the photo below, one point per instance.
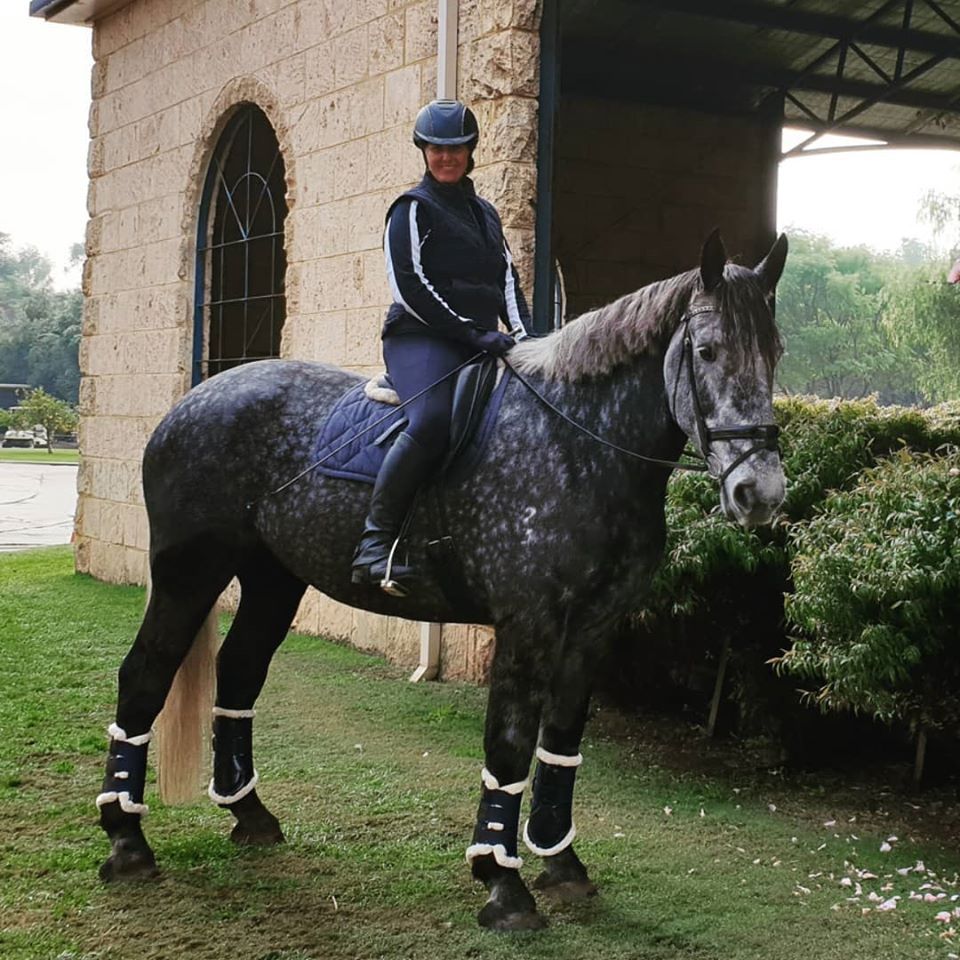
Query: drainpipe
447,17
429,666
447,22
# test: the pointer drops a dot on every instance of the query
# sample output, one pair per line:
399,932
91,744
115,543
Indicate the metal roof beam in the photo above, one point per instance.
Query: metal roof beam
833,26
702,70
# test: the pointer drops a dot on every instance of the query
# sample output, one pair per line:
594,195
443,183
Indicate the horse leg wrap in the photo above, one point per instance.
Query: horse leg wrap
498,820
126,775
233,773
550,828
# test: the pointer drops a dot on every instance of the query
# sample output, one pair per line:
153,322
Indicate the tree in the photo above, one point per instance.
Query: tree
923,316
831,309
40,408
40,328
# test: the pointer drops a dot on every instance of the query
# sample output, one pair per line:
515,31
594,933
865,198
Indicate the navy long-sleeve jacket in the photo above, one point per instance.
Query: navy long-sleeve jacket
449,266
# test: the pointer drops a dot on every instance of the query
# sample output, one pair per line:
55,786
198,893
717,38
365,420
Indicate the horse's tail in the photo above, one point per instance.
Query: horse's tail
184,725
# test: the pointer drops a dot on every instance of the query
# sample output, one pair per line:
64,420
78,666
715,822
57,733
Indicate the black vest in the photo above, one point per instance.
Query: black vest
462,253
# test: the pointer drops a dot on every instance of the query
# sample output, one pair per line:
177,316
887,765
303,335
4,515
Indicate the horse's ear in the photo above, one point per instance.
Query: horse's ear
713,257
771,266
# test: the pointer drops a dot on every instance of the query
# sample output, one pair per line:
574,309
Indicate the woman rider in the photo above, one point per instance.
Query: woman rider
452,280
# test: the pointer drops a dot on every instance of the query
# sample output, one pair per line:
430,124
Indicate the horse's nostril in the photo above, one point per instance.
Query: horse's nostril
743,494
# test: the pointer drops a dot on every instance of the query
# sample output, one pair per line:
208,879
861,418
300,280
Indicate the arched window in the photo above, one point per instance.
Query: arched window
239,295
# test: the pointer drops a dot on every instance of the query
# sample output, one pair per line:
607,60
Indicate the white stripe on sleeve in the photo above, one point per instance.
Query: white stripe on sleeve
510,295
392,277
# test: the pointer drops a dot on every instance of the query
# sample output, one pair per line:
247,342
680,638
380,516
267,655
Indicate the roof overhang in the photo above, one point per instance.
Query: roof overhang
880,69
82,12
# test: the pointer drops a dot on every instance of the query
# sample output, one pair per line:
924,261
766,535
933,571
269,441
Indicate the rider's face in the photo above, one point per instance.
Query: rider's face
447,164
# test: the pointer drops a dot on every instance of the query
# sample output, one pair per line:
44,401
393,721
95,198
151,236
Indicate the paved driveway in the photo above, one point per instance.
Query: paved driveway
37,503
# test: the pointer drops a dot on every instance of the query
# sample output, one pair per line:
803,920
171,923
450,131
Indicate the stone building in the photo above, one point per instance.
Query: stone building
243,154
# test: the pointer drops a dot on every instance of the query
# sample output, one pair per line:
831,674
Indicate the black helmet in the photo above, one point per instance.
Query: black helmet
446,123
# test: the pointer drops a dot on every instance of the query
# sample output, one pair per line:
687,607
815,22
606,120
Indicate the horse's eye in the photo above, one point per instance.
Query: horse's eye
707,353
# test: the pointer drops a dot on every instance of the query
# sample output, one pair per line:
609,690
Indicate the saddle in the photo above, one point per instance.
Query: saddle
361,427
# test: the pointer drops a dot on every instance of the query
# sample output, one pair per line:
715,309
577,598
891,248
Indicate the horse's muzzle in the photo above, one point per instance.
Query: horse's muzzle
752,497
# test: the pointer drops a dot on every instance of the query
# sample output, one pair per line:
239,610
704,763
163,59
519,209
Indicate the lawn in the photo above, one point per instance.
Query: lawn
39,455
376,782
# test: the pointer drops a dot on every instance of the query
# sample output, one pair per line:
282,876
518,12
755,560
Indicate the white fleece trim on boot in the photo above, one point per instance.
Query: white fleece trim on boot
119,734
126,804
492,783
234,714
549,851
239,795
558,759
499,852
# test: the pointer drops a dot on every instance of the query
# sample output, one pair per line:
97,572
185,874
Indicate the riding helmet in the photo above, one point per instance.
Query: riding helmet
446,123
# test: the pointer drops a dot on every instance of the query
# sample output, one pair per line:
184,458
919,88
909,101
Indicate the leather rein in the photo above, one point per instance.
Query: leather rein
765,435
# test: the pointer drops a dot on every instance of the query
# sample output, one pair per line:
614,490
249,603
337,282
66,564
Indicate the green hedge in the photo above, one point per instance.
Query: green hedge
876,599
720,582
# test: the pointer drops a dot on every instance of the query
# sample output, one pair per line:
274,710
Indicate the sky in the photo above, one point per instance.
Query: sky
869,198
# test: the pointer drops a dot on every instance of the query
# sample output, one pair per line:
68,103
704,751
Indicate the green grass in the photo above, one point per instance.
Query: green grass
376,782
23,455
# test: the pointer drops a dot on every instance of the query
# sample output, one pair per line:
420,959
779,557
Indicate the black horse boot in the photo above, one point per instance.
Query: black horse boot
405,467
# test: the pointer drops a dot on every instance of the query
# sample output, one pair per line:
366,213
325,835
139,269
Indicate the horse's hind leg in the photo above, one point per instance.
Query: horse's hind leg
549,831
513,715
186,582
268,601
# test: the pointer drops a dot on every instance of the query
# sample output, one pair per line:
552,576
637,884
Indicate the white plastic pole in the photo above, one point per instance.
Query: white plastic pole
429,667
447,22
448,12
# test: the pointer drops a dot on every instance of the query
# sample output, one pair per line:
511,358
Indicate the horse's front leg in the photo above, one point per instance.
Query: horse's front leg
513,716
550,830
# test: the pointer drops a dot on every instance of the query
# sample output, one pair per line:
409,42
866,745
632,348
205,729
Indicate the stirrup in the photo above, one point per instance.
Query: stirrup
387,583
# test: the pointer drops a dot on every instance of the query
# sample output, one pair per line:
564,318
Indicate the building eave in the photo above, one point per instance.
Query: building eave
83,12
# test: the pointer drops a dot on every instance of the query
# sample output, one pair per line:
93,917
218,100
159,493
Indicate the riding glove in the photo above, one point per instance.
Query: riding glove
494,342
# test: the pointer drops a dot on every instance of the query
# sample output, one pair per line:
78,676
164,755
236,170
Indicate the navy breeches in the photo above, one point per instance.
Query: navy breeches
414,362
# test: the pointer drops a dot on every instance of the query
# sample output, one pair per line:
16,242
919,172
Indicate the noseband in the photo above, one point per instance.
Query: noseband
765,435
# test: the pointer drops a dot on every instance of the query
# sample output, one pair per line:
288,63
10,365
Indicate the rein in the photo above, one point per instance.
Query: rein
765,433
672,464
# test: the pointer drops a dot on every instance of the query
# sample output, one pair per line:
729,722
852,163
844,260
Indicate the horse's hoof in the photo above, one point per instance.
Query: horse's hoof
128,866
564,891
494,916
267,836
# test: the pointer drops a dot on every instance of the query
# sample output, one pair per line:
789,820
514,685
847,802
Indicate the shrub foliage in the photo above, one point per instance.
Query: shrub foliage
864,550
876,598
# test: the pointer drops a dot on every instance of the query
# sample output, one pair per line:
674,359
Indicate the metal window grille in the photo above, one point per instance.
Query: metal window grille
239,297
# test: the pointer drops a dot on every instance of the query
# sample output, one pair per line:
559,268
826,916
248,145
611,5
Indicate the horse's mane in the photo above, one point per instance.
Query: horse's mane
643,321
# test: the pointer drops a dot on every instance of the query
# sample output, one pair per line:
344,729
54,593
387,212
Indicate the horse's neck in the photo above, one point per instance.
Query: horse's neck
626,406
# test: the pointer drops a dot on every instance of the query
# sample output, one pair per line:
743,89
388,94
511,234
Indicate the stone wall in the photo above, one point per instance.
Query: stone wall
638,189
341,82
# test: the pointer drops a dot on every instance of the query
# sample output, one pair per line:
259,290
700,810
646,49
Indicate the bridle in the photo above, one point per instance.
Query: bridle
765,435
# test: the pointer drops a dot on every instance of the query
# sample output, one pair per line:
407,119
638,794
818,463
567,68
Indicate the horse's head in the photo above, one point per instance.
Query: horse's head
718,372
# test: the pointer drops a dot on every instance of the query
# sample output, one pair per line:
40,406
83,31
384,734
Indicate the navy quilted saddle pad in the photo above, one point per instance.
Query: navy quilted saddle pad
359,431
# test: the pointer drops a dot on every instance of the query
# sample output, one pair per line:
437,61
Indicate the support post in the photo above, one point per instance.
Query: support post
920,757
718,687
548,104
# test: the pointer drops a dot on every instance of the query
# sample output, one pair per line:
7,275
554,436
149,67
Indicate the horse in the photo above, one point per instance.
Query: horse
557,529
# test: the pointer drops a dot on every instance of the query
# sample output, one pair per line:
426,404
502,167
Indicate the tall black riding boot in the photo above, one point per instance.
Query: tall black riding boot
405,468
